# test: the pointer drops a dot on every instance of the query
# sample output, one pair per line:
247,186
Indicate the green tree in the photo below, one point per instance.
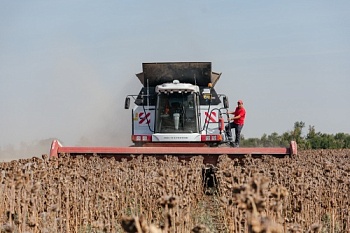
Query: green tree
342,140
313,139
297,132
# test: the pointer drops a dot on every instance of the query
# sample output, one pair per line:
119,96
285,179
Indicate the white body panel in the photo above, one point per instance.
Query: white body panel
139,120
181,98
212,116
141,127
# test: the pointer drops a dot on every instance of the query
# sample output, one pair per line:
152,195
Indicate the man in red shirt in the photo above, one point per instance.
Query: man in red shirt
237,123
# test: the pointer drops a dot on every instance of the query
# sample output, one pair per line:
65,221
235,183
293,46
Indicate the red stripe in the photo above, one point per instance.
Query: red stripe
142,119
211,118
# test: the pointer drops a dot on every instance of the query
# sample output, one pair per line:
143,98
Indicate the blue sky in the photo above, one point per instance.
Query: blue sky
66,66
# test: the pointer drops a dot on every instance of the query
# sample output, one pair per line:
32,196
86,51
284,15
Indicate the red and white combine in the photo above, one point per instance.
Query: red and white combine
177,112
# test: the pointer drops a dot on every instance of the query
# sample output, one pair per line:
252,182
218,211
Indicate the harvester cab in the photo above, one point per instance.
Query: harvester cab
178,104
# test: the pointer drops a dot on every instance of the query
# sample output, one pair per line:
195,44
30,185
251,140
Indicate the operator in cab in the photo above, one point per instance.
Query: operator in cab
237,124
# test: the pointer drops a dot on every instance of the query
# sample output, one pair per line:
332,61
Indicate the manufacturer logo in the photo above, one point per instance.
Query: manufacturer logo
176,138
144,118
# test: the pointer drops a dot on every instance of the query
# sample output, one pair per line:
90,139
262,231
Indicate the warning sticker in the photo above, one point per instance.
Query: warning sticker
144,118
211,118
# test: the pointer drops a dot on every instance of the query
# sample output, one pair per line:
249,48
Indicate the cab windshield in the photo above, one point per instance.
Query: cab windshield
177,113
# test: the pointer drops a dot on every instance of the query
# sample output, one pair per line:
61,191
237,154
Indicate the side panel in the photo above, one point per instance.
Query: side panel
209,122
143,120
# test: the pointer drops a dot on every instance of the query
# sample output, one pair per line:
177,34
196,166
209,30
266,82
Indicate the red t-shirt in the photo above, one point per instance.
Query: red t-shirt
239,112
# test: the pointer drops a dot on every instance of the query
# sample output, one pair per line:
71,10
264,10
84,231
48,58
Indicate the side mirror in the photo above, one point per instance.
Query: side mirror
226,103
127,103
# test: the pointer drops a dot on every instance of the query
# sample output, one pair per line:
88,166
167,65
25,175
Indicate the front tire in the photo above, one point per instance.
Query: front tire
138,144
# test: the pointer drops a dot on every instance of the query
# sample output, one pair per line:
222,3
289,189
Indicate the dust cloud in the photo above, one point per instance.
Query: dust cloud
81,104
25,150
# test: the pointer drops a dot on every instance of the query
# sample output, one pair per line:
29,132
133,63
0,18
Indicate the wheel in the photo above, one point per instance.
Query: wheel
138,144
213,144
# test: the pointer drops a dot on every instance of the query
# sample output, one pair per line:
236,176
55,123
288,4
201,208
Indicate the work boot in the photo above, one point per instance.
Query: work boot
232,144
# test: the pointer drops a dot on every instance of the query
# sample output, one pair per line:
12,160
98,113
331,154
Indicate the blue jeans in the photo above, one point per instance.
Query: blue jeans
238,129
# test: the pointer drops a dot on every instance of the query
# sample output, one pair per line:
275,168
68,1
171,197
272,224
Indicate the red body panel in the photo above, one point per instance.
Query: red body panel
173,150
210,154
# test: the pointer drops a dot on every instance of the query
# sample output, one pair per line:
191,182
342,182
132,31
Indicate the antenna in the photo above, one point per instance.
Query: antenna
147,94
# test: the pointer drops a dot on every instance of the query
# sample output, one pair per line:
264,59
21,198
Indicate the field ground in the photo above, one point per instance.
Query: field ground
305,193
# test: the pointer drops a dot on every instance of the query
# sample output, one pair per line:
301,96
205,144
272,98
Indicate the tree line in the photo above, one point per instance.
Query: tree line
312,140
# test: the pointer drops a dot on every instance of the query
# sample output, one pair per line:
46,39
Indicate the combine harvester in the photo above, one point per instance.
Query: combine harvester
177,113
